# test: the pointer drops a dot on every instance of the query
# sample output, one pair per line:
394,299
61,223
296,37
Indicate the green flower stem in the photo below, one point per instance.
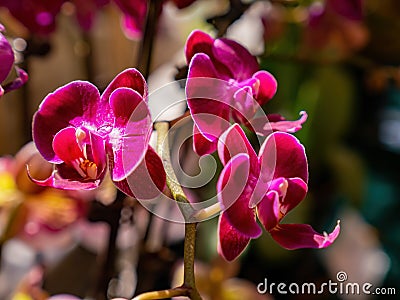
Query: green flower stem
163,150
172,182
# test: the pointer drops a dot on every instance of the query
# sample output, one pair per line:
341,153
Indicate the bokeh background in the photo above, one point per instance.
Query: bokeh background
332,59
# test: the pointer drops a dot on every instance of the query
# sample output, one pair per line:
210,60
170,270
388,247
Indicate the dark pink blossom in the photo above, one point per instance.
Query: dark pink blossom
84,134
267,186
336,26
40,16
225,84
6,64
134,16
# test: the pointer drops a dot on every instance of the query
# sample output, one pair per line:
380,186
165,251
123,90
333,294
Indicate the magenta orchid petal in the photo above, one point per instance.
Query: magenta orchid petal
268,210
291,160
198,42
233,180
203,145
205,95
296,236
96,151
290,126
148,180
6,57
244,105
295,192
267,86
133,26
56,181
134,16
131,134
66,147
128,105
129,78
233,193
22,78
201,65
231,243
73,104
242,217
236,58
261,183
275,122
38,17
234,141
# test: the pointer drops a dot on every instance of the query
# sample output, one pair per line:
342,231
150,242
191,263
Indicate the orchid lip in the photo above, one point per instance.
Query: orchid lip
86,168
90,168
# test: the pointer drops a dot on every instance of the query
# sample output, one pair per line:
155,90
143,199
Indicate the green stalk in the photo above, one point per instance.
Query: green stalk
189,284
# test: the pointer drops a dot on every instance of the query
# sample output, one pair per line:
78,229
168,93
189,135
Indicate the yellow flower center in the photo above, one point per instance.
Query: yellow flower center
89,168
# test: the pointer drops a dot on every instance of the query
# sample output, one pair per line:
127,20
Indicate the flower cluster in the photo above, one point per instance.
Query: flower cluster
225,84
84,134
6,64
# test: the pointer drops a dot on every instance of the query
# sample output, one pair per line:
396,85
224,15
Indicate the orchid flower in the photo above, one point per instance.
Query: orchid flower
84,134
6,64
336,26
39,17
134,16
267,187
224,84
